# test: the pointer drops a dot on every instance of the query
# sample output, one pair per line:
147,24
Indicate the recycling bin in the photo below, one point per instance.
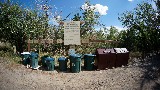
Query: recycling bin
122,56
43,59
89,61
75,63
62,63
50,63
34,60
25,58
105,58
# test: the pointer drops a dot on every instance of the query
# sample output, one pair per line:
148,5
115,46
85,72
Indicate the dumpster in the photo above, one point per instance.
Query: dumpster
122,56
105,58
89,61
25,58
62,63
50,63
43,59
34,60
75,63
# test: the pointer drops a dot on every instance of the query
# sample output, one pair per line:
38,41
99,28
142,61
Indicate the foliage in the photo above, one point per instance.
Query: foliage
143,32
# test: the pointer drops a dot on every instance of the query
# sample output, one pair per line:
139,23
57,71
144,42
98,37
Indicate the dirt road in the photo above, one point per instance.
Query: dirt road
139,75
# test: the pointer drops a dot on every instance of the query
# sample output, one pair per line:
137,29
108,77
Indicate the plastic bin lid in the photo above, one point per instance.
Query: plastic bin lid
34,54
25,53
89,55
75,55
61,59
50,59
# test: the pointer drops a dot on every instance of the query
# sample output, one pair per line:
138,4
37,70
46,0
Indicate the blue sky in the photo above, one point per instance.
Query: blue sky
115,7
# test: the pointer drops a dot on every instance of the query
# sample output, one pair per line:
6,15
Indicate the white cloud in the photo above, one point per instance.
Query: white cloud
130,0
84,7
102,10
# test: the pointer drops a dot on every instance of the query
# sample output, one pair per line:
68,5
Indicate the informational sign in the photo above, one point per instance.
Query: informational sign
72,33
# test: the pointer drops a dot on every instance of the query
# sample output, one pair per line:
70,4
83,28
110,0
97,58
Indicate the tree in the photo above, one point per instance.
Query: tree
18,25
11,17
142,33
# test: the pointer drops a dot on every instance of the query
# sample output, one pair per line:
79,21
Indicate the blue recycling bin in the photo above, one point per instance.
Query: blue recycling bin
62,63
25,58
89,61
43,59
34,60
50,63
75,63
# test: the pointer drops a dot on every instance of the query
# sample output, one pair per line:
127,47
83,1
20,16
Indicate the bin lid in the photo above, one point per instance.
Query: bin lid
49,59
105,51
61,59
118,50
124,50
121,50
89,55
25,53
34,54
75,55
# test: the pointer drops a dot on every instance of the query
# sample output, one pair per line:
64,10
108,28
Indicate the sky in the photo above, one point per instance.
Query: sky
110,10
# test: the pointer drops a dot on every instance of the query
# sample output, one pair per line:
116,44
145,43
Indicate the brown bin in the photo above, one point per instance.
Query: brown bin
122,56
105,58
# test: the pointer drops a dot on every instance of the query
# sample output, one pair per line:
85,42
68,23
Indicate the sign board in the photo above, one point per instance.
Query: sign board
72,33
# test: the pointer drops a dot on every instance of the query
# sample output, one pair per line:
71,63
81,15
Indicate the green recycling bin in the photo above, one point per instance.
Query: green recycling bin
43,59
34,60
75,63
89,61
25,58
50,63
62,63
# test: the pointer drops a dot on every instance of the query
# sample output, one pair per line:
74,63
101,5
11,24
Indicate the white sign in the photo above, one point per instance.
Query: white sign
72,33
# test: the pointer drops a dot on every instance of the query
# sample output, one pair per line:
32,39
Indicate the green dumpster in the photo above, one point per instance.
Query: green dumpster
50,63
34,60
75,63
43,59
25,58
62,63
89,61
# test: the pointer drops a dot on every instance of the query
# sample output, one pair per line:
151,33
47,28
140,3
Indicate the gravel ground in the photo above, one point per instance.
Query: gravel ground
138,75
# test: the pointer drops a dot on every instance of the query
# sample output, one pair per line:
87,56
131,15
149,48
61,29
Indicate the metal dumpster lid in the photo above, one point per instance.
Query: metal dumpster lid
105,51
121,50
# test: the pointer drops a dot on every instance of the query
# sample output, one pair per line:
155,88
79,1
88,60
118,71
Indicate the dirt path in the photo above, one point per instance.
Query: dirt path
136,76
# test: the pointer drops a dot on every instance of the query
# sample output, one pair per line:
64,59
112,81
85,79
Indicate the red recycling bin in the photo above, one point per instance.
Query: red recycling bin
122,56
105,58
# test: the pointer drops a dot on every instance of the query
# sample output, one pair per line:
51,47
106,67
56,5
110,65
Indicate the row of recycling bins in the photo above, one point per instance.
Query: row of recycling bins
104,58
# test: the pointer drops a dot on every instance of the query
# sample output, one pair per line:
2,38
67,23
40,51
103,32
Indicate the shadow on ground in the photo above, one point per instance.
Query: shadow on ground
151,76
